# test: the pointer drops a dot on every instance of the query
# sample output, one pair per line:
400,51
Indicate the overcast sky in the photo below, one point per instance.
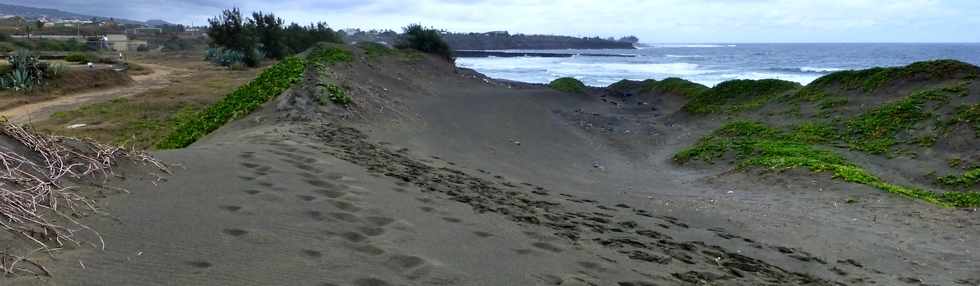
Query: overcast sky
654,21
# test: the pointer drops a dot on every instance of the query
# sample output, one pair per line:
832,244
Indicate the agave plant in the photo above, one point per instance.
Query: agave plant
21,80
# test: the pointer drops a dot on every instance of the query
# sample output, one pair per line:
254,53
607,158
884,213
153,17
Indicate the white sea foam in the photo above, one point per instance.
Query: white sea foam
689,46
820,70
684,56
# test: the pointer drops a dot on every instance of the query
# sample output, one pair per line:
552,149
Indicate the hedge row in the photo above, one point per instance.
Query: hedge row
273,81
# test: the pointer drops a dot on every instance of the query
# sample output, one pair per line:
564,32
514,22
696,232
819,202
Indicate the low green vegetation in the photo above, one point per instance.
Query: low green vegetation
755,145
874,131
373,49
336,94
967,115
870,80
967,180
272,82
568,84
675,85
739,95
329,54
79,58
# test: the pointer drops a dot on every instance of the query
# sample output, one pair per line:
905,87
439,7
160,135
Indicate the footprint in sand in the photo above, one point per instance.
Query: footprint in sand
547,246
403,263
333,194
452,219
305,198
270,197
234,232
353,236
231,208
311,253
199,264
252,192
345,206
482,234
369,250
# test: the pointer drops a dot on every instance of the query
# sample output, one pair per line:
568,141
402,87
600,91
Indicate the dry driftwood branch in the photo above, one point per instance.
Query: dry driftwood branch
36,200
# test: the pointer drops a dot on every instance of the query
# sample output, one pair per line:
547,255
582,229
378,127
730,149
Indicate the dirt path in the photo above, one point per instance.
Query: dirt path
161,77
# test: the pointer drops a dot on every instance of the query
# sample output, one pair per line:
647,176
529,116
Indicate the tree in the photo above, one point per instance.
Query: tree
425,40
269,30
229,31
39,24
630,39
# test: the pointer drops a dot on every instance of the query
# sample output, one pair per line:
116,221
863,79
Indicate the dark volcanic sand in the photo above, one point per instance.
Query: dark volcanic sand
464,181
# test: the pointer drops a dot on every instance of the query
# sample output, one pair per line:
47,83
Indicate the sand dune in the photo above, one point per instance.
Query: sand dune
446,178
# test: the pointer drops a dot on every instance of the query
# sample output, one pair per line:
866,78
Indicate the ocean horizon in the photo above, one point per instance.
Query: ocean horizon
713,63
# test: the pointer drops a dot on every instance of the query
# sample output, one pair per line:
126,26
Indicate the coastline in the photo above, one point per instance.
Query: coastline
439,176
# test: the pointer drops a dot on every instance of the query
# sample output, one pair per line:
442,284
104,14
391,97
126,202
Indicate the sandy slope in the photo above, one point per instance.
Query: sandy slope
451,179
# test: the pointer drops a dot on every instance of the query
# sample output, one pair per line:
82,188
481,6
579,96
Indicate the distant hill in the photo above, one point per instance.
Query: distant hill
503,40
53,14
157,22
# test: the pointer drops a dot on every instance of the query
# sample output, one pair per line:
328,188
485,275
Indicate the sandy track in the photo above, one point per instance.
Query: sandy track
162,76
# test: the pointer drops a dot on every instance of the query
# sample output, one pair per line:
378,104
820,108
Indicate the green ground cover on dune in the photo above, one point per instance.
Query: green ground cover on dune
874,131
869,80
271,83
756,145
966,180
738,95
568,84
675,86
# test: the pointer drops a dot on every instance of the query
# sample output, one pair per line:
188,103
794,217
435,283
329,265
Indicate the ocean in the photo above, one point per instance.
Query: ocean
710,64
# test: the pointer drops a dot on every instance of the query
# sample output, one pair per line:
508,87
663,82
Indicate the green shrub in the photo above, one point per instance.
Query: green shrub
272,82
425,40
80,58
568,84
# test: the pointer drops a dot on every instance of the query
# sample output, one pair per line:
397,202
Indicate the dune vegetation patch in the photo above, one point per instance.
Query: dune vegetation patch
335,94
968,115
272,82
968,179
739,95
756,145
675,85
874,131
870,80
568,84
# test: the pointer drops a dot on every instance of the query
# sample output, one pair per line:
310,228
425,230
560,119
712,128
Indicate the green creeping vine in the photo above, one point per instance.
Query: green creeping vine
756,145
273,81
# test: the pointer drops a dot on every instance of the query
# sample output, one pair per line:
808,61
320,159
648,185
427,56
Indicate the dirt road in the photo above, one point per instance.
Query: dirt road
162,76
